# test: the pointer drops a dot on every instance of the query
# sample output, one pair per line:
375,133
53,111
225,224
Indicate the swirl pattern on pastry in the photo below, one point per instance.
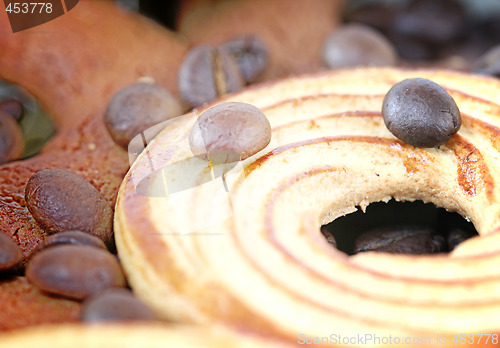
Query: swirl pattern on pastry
264,266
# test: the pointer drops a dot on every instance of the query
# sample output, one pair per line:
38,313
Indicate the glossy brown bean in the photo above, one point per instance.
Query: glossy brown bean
60,200
138,107
74,271
229,132
421,113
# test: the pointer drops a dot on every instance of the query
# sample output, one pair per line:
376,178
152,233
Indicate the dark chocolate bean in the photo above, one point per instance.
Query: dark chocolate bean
115,305
10,253
61,200
401,240
357,44
11,139
70,237
421,113
139,107
250,53
207,73
459,235
74,271
230,132
13,108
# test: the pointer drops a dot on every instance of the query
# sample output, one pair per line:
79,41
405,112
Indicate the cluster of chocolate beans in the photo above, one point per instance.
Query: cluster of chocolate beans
76,260
11,136
453,33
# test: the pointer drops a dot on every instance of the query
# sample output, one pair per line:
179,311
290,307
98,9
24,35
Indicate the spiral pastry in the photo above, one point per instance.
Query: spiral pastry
246,252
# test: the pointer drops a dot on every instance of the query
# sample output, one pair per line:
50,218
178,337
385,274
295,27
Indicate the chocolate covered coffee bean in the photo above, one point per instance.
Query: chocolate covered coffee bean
115,305
229,132
421,113
74,271
60,200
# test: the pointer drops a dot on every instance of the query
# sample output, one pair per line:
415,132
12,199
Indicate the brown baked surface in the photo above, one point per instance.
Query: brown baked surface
73,65
24,305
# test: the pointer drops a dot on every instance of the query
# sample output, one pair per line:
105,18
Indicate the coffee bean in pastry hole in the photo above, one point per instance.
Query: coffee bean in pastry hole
250,53
74,271
489,63
60,200
138,107
401,240
421,113
10,253
229,132
13,108
70,237
11,139
356,45
458,235
116,304
206,73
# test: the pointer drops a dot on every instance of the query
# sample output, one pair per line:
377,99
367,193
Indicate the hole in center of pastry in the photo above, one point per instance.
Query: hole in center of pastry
399,227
